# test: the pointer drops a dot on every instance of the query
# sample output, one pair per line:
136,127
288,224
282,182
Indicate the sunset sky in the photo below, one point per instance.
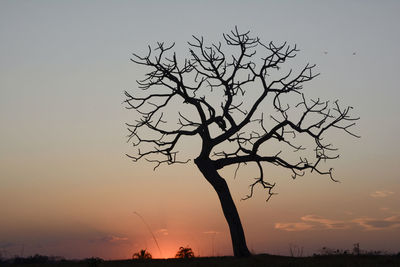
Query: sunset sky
67,188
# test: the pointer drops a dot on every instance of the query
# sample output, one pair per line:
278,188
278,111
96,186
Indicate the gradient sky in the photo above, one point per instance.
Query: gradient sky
67,189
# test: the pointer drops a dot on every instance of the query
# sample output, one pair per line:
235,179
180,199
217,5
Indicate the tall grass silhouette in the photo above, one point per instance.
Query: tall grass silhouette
151,232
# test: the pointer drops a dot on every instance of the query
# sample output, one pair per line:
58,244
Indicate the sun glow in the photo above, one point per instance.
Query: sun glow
167,250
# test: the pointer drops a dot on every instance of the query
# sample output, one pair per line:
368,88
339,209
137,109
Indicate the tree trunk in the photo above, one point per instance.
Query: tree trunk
228,206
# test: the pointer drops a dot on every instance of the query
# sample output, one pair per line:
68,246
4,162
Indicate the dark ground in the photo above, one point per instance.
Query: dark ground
257,260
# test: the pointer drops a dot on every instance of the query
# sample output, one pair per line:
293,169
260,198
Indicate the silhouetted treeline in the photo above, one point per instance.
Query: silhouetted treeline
336,258
36,259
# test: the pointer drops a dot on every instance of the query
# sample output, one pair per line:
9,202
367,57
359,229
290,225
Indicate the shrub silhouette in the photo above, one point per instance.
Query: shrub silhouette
93,261
142,255
36,259
184,253
325,251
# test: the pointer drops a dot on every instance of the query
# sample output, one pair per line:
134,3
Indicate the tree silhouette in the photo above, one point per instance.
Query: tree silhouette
142,255
243,109
184,253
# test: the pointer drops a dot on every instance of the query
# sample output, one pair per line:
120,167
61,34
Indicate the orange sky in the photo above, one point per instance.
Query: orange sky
66,187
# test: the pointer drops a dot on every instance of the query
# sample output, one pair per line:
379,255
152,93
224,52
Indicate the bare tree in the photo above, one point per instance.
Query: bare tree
205,96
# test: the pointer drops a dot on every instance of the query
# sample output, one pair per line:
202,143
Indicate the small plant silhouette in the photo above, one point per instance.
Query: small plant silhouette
356,249
295,251
142,255
184,253
94,261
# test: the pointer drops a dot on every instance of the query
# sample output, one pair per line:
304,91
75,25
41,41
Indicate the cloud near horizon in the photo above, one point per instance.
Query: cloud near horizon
298,226
326,223
315,222
211,232
379,224
111,238
162,231
4,245
118,238
381,194
312,222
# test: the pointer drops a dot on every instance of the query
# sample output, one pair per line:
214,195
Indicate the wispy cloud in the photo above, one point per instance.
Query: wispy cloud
326,223
162,231
312,222
379,224
118,238
211,232
5,245
315,222
113,239
381,194
291,227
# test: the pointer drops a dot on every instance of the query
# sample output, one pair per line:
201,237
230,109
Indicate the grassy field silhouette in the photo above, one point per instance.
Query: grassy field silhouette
256,260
